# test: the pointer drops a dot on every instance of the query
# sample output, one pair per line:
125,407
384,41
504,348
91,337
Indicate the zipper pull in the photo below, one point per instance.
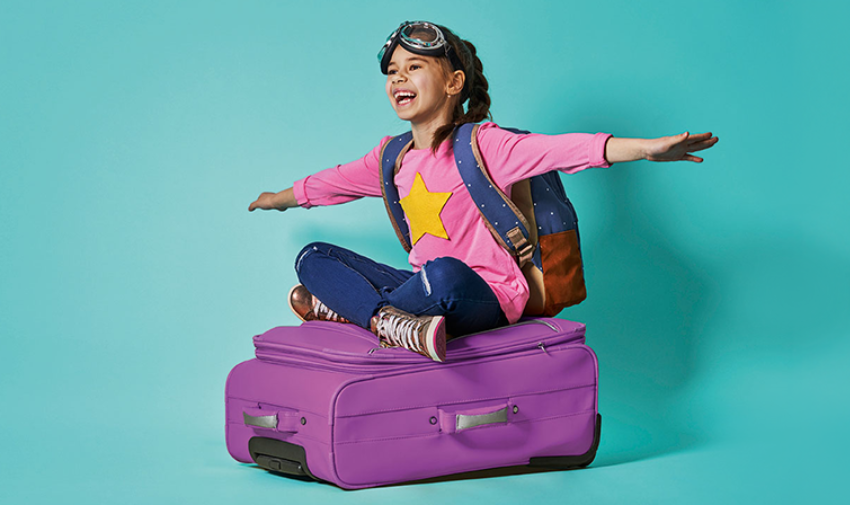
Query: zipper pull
542,347
373,350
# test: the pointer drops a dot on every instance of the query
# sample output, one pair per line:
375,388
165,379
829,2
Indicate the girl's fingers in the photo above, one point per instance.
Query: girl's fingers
256,203
699,137
705,144
688,157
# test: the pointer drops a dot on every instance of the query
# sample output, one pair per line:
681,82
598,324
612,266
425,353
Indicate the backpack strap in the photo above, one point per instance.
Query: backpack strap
505,221
391,154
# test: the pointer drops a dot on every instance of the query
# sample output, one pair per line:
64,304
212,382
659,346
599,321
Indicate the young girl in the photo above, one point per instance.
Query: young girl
462,279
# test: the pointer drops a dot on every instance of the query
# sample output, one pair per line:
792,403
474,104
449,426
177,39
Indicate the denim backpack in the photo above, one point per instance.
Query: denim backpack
537,224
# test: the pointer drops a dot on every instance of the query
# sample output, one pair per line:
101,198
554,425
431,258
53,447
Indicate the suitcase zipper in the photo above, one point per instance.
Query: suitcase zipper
492,351
381,368
522,323
381,356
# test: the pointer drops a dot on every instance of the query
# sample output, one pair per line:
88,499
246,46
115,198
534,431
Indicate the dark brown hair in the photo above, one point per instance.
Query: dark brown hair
474,89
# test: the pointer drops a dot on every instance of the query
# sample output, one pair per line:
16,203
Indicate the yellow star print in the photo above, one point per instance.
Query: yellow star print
423,210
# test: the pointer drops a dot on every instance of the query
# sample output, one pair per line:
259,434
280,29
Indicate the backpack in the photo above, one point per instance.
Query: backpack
537,225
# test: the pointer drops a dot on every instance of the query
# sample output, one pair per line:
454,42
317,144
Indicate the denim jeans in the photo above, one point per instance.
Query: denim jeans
356,287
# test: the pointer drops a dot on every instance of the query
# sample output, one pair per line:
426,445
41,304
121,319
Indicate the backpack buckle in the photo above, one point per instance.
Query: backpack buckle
525,253
524,249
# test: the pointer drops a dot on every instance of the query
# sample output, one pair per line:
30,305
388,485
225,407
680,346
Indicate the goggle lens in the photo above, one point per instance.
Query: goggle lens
421,34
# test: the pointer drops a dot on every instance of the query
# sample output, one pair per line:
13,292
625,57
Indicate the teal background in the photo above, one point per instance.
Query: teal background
134,135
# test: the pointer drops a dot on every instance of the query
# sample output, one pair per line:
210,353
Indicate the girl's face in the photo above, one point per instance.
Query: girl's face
418,88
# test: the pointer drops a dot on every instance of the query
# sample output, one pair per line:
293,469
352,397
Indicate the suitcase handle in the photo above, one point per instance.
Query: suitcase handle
278,421
453,422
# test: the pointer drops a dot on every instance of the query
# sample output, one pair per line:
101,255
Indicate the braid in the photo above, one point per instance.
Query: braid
474,90
479,100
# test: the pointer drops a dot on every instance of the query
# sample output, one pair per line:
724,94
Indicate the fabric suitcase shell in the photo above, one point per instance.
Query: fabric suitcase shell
325,401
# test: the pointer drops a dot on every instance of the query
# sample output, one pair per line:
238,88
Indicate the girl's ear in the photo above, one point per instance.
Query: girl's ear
455,84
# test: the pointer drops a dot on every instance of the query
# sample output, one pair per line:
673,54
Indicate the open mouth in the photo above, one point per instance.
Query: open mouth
404,97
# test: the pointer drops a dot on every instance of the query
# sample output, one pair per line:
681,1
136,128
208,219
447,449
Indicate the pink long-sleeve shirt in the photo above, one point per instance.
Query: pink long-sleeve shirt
509,158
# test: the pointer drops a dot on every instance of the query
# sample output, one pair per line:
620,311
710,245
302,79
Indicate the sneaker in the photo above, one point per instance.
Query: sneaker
425,335
308,308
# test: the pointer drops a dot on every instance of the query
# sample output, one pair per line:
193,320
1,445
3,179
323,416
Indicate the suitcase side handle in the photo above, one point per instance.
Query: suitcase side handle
456,421
287,422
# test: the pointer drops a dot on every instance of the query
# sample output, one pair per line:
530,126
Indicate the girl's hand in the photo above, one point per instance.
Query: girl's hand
274,201
677,147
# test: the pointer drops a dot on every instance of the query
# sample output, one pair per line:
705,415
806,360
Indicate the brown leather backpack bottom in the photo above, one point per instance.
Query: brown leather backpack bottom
564,280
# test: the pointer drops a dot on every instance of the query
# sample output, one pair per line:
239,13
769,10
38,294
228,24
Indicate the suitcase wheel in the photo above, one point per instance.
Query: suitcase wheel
280,457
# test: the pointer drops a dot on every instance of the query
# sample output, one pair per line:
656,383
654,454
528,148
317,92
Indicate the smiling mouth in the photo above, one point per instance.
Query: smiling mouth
403,98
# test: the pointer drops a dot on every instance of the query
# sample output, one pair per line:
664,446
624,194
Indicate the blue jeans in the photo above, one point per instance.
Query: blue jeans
356,287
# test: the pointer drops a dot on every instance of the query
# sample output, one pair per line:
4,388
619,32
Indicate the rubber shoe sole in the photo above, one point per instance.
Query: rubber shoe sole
435,338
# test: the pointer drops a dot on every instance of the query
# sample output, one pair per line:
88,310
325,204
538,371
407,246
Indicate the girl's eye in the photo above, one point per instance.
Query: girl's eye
391,72
414,67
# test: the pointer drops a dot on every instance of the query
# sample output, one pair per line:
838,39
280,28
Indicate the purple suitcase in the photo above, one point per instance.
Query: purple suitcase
324,401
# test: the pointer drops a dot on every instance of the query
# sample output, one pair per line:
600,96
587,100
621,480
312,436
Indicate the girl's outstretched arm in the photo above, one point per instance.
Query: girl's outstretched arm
277,201
672,148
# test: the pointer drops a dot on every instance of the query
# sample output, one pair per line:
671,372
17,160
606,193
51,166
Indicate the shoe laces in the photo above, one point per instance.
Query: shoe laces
402,331
321,311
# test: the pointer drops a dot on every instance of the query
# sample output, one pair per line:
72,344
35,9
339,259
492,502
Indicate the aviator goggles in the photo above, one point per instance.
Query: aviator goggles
418,37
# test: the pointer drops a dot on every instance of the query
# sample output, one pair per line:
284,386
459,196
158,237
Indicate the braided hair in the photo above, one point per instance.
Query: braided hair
474,89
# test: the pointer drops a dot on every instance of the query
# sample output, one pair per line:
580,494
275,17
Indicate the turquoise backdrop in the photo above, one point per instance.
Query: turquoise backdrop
133,136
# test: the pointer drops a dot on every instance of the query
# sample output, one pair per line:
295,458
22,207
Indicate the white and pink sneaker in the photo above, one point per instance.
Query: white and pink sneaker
425,335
